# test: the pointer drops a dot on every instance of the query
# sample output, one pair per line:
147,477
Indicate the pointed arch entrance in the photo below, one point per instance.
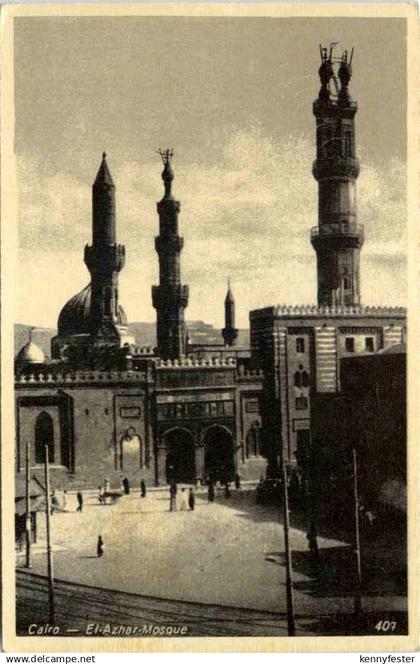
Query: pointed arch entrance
180,456
219,461
44,435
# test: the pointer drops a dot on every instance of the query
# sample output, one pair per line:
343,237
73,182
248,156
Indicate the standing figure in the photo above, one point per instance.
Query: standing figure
100,547
126,485
183,503
211,492
313,542
64,502
101,495
122,488
172,497
227,490
143,489
237,481
79,501
107,486
55,505
191,500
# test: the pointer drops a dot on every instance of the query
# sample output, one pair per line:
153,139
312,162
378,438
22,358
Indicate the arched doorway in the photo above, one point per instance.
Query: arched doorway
218,460
44,435
253,444
131,451
180,456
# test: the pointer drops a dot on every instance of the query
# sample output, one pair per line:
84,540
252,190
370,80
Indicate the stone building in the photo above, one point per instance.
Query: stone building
105,406
299,348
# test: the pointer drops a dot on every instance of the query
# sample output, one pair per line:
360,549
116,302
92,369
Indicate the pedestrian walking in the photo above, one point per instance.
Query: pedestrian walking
100,547
211,492
191,500
313,542
143,489
227,490
183,501
79,501
237,482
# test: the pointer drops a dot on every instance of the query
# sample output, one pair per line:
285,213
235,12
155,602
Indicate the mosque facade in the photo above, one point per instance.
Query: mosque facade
103,406
185,411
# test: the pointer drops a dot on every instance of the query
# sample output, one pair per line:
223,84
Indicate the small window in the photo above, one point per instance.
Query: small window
300,345
349,344
106,411
301,403
370,344
305,379
298,379
86,411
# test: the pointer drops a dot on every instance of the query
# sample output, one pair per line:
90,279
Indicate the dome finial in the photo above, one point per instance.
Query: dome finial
104,155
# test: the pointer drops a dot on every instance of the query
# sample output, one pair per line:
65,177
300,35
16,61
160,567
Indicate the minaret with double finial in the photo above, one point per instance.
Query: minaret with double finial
229,332
338,238
170,298
104,259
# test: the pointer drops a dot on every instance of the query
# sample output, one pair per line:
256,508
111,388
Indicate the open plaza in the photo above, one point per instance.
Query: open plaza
228,553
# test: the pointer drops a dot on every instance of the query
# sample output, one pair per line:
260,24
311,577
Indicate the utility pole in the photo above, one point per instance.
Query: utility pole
289,582
49,551
358,588
28,510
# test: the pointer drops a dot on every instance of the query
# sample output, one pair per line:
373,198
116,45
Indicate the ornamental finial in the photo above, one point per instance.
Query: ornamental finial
167,173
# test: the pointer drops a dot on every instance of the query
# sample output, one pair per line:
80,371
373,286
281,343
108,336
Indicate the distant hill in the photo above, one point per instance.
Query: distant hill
144,333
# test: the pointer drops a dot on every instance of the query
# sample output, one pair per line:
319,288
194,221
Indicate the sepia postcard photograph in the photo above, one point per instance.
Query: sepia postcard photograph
207,238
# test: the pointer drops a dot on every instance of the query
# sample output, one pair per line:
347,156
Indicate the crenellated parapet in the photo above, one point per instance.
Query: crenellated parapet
187,363
80,377
251,375
324,311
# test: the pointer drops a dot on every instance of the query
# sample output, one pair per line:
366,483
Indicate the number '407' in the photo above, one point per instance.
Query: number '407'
386,626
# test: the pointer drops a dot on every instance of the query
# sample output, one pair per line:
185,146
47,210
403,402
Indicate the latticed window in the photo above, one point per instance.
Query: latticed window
300,345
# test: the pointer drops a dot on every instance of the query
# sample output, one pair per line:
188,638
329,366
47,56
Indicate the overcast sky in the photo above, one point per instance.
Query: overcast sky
233,97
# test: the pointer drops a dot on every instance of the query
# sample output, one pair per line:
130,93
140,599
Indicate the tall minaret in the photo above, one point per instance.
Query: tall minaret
337,239
104,260
229,332
170,298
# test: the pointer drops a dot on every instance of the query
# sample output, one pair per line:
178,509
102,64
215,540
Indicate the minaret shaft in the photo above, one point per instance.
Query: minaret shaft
337,239
170,298
104,258
229,332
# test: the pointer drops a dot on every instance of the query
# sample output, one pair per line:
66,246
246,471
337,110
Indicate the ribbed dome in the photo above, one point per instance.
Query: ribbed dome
30,354
74,316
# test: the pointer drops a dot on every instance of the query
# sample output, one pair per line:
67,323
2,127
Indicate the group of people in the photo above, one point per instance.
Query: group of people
183,501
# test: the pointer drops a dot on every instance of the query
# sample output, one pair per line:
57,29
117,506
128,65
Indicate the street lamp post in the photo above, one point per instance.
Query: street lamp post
289,581
49,550
27,510
358,588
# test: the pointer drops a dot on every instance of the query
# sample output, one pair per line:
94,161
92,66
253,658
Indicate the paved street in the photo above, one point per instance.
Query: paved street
228,553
